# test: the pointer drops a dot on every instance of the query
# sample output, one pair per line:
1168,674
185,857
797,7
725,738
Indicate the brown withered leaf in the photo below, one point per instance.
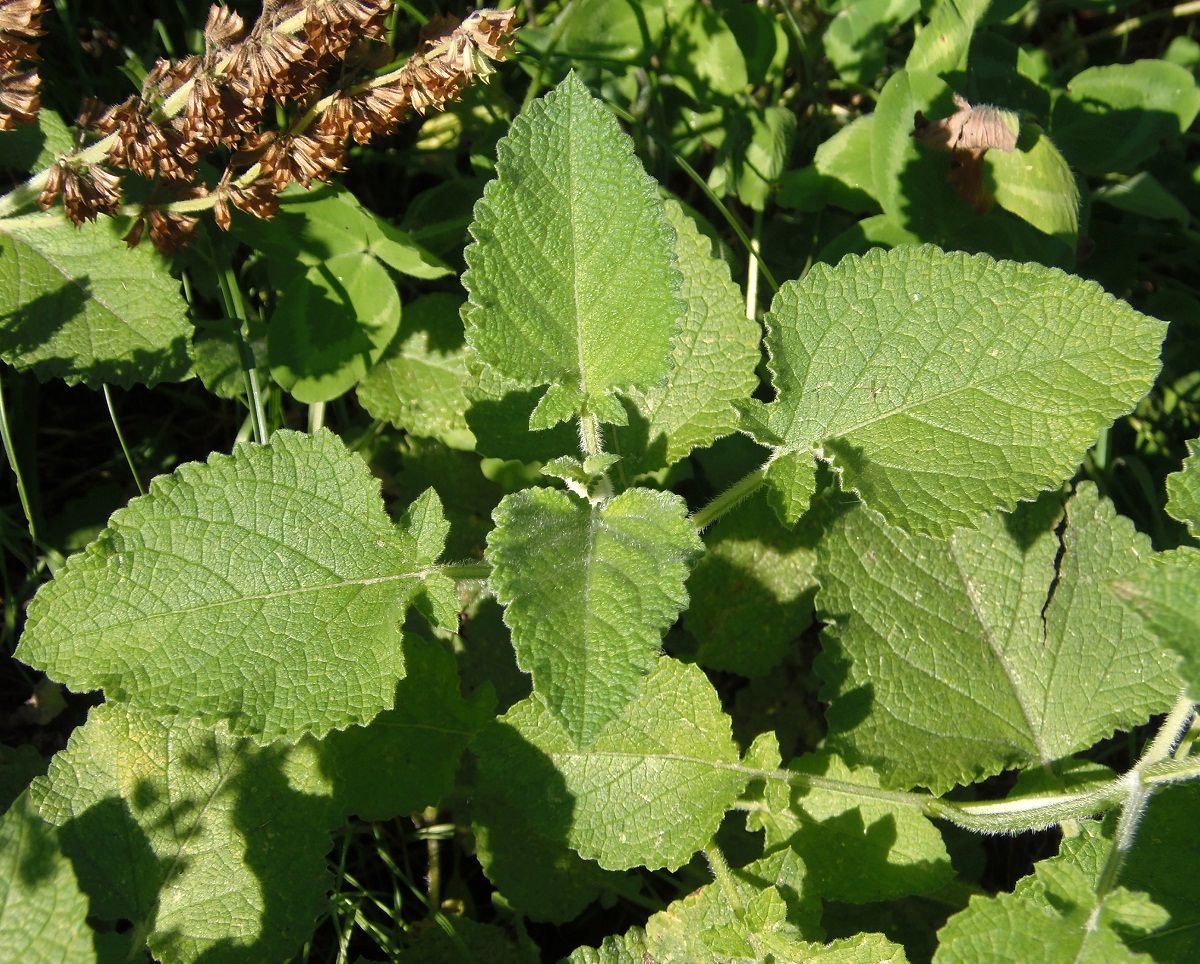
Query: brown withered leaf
969,128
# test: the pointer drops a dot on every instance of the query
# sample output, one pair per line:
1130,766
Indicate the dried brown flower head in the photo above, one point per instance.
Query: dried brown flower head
86,191
20,26
223,27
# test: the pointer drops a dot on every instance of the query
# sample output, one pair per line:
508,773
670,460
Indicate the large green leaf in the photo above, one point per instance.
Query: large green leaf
214,848
943,43
589,590
332,322
42,911
945,385
712,364
1035,183
856,39
649,790
949,661
1054,915
571,277
76,304
1114,117
266,588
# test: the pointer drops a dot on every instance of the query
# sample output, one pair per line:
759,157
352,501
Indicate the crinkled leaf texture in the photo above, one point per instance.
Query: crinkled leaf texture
265,588
212,846
948,661
42,910
947,385
1183,490
76,304
572,276
649,790
589,590
713,358
1053,915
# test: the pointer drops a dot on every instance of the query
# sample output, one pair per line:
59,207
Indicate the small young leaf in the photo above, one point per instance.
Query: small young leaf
1053,915
419,383
947,385
266,588
984,651
713,358
1183,490
571,277
76,304
589,590
668,761
42,911
333,321
221,844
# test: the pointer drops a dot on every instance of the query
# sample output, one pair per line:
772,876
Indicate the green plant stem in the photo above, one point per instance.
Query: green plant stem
235,308
752,266
724,878
10,453
112,415
730,498
1128,26
1139,792
316,417
467,571
591,443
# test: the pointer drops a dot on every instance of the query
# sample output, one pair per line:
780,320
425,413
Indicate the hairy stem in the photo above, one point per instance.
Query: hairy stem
730,498
10,453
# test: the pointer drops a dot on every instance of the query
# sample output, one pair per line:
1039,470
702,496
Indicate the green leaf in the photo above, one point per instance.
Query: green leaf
1144,194
1035,183
265,588
469,942
42,911
754,153
76,304
856,850
406,758
610,30
845,160
856,39
212,847
752,592
314,226
1166,851
32,147
942,44
332,322
911,182
1112,118
1165,591
1183,490
419,384
761,912
1018,656
945,385
589,590
571,277
217,355
1053,915
649,790
713,358
703,53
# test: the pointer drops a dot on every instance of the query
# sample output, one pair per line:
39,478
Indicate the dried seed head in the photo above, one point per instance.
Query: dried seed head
170,231
145,148
86,191
20,99
21,17
303,158
224,27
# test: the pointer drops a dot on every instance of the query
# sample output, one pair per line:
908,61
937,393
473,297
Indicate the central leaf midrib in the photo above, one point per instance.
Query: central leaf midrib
576,299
